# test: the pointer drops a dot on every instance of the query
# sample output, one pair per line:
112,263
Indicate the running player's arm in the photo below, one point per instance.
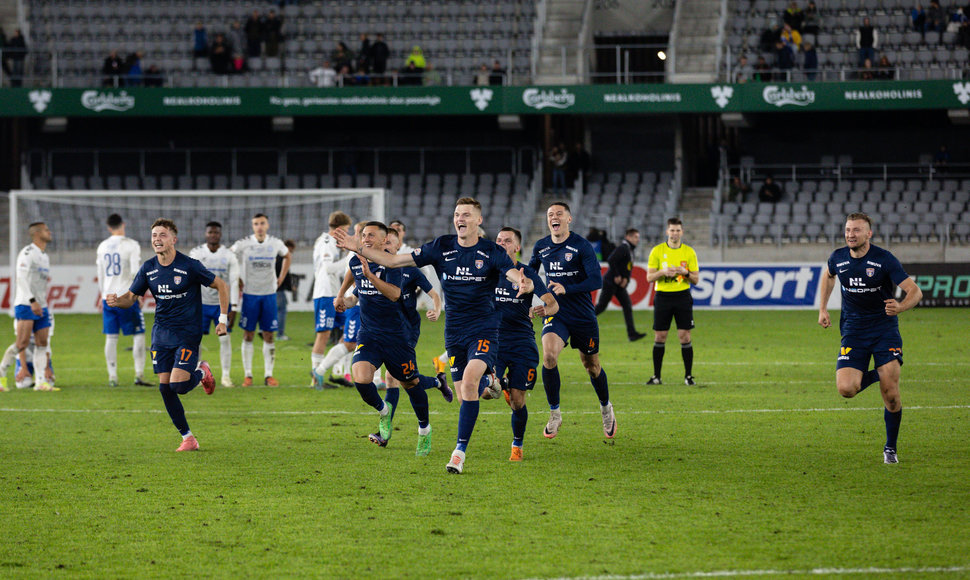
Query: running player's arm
549,304
389,290
223,289
913,296
825,292
339,301
594,277
423,283
376,255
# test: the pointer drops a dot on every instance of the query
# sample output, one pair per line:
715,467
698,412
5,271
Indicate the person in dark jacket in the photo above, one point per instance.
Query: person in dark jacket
616,279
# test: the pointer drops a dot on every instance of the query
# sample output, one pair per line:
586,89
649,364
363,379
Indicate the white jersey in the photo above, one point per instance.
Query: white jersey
119,258
257,263
33,275
326,264
223,264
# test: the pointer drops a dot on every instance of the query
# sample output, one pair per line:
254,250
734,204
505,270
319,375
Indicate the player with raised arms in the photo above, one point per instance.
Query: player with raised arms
469,268
222,262
384,337
572,273
868,322
176,281
517,351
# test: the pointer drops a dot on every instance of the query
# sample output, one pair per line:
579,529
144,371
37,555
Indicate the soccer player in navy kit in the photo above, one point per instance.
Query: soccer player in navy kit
176,281
469,268
572,272
384,339
516,338
868,322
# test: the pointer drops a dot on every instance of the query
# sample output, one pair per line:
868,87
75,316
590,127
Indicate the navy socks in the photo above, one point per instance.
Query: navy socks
601,386
519,419
892,427
550,381
368,392
467,416
174,407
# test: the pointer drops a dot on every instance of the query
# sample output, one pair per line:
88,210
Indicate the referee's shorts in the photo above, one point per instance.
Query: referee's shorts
673,305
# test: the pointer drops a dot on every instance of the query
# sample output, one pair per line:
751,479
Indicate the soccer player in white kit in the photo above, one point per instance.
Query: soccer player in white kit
326,263
33,268
222,262
257,260
119,258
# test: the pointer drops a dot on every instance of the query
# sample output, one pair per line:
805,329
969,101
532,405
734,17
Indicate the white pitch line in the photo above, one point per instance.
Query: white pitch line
811,572
252,413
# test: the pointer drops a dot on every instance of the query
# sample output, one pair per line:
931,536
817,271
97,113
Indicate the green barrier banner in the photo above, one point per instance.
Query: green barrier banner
497,100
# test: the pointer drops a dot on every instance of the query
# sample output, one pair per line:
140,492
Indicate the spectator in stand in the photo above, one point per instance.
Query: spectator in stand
769,36
738,190
791,39
941,160
762,70
935,18
238,63
219,55
867,41
743,71
200,41
379,55
559,158
323,76
811,21
342,58
344,76
769,192
867,73
963,35
885,71
432,78
918,16
273,33
237,38
133,74
154,77
112,69
364,58
481,77
254,34
416,57
15,51
810,60
793,16
497,76
784,61
360,78
411,75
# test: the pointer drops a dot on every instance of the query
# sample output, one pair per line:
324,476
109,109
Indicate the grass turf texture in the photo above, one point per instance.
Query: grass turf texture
760,467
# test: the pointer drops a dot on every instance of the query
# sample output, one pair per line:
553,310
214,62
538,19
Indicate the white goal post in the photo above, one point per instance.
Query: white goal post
77,217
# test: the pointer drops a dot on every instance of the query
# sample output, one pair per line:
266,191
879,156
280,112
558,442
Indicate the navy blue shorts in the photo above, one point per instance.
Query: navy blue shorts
883,348
210,317
396,356
165,359
583,336
482,346
259,309
521,362
41,322
127,320
326,314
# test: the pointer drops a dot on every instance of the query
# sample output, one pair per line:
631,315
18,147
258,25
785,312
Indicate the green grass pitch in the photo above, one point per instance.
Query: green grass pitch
761,470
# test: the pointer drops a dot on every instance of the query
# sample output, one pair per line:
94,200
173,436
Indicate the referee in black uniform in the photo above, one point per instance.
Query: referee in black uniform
616,279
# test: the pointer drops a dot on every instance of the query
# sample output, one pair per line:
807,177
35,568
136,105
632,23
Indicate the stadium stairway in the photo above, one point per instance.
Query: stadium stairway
697,41
695,212
564,18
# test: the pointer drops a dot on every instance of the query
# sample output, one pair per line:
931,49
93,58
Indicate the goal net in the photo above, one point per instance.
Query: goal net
77,221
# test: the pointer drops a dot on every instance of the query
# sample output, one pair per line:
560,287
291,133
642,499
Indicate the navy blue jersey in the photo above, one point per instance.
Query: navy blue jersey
412,279
177,289
468,280
379,316
866,283
514,320
573,264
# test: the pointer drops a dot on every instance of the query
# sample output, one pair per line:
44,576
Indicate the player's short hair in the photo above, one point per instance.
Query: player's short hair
674,221
165,223
290,244
30,228
631,231
859,216
564,205
114,220
260,215
393,232
400,223
517,233
338,219
470,201
213,224
378,225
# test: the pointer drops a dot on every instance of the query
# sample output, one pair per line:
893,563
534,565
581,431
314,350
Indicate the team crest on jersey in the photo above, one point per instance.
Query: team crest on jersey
870,272
569,256
177,280
479,264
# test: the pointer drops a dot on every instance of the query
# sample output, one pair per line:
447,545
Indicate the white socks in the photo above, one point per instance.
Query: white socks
225,354
346,363
315,360
111,354
40,363
336,353
269,358
9,357
247,357
138,353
